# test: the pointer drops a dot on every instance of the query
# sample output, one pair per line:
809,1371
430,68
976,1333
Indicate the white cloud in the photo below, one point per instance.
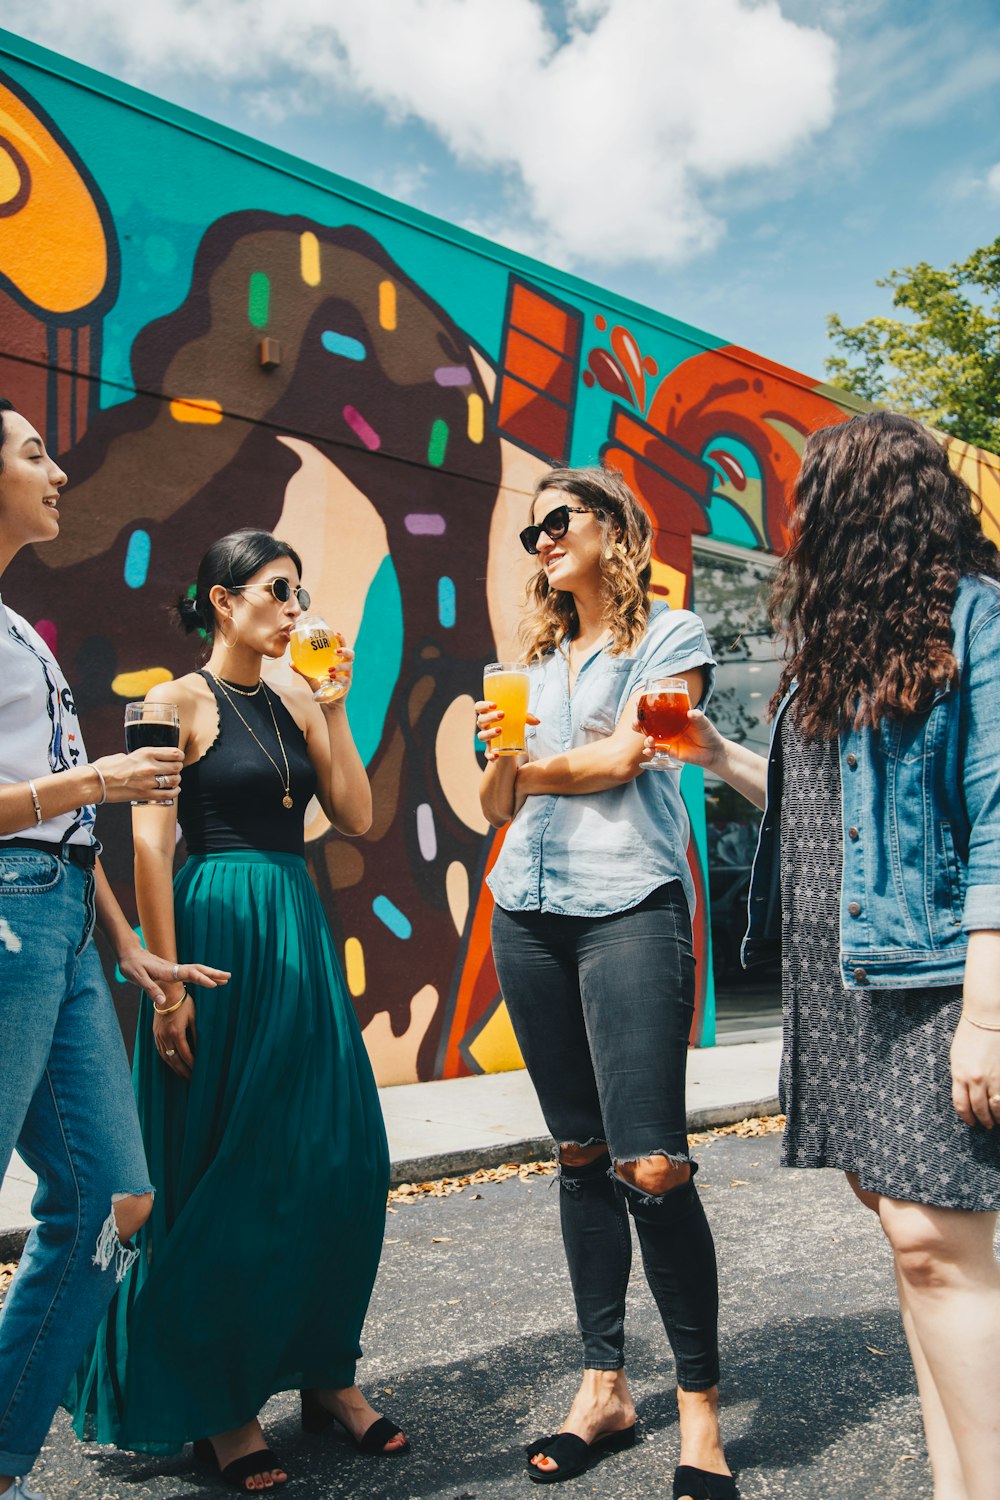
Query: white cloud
993,181
614,136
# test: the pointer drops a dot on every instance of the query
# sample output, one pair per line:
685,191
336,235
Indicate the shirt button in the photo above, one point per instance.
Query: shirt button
853,835
852,760
860,975
854,909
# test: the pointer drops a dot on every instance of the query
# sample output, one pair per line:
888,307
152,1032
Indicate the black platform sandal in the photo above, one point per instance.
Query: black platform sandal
573,1455
317,1418
700,1484
263,1461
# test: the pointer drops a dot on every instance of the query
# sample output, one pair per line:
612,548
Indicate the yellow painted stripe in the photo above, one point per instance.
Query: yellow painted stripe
387,304
309,258
354,963
138,684
192,409
475,418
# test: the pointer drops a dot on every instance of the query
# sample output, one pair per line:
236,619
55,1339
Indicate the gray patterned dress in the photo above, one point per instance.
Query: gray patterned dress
865,1079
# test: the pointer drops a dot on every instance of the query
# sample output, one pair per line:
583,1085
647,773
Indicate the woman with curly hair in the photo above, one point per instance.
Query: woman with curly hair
592,942
878,877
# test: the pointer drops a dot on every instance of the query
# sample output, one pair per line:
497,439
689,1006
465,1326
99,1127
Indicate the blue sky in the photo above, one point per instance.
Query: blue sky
747,166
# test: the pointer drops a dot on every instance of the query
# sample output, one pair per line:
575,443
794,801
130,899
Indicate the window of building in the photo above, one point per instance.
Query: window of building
730,593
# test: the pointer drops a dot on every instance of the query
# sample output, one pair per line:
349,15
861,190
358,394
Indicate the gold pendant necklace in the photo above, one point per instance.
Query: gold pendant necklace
286,800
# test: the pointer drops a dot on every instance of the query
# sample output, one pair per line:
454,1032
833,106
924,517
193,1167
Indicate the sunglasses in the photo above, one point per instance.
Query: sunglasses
280,588
555,525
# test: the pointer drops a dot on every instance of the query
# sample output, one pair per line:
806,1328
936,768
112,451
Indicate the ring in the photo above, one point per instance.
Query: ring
170,1052
162,782
994,1099
173,972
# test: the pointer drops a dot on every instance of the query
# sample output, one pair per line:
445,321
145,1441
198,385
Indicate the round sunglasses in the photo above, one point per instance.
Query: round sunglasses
279,587
555,525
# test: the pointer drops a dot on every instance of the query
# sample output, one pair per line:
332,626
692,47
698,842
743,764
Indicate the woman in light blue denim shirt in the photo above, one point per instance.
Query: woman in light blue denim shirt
878,876
592,941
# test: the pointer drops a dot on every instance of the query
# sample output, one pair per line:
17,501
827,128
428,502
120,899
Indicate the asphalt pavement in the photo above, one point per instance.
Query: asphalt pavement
471,1345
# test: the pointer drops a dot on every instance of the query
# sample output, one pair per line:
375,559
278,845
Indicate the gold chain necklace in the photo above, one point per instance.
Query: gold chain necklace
286,800
243,692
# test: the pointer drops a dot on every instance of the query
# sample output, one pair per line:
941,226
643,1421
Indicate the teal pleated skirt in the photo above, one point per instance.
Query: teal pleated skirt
270,1168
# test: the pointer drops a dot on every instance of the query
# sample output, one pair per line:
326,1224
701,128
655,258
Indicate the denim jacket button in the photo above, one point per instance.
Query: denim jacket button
860,975
853,835
854,909
852,760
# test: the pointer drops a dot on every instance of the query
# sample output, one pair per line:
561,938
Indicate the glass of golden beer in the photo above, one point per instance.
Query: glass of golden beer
505,683
663,713
314,648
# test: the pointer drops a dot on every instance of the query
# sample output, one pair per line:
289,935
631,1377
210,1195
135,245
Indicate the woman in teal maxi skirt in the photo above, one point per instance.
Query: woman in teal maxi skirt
260,1116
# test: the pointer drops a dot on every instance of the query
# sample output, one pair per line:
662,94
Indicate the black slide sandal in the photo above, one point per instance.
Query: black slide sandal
263,1461
702,1485
572,1455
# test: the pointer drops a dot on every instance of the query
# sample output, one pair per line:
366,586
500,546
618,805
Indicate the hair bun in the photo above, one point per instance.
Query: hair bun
189,614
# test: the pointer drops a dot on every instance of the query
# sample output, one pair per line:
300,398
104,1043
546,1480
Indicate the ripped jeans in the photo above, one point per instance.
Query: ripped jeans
66,1104
602,1008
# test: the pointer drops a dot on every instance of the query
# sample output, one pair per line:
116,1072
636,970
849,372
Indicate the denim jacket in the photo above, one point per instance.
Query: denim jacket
920,800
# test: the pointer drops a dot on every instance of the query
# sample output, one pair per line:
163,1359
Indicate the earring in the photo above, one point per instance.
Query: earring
229,644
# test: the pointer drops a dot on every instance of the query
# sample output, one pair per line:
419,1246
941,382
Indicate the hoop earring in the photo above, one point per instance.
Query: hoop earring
221,633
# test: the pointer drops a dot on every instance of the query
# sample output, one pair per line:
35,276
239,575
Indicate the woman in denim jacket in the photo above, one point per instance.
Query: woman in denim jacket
878,877
592,941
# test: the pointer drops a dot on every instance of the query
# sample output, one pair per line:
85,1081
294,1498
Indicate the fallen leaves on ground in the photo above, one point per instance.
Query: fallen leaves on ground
443,1187
7,1269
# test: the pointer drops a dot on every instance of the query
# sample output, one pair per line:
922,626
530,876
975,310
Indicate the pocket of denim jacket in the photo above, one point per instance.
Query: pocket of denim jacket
603,717
27,872
951,873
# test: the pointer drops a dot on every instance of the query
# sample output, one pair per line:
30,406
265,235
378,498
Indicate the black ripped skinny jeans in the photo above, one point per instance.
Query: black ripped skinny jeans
602,1009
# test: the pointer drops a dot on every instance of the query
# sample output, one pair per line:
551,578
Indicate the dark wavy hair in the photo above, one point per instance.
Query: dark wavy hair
627,536
882,532
5,405
231,561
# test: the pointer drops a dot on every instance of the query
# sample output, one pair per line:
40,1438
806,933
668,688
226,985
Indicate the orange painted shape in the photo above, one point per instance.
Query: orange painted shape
192,409
539,365
53,247
539,317
478,985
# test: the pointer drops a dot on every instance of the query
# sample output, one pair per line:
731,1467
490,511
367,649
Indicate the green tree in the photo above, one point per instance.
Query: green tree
942,363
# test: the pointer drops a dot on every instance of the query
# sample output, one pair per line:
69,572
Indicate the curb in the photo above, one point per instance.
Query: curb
468,1159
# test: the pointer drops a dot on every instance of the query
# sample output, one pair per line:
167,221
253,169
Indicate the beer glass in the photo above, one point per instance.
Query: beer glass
314,648
505,683
662,712
151,725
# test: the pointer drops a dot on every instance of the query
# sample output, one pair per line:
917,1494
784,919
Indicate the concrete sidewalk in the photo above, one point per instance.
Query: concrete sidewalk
443,1129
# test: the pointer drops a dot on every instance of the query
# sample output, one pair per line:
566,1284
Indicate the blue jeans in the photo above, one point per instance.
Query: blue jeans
66,1104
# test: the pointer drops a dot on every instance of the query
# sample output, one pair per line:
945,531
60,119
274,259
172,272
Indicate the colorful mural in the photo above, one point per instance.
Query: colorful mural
214,336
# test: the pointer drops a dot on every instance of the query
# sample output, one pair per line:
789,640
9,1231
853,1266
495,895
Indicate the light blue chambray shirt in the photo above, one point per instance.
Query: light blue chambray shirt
599,853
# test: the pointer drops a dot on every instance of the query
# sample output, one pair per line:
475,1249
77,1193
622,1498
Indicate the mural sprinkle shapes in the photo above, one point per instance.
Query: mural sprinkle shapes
391,915
362,429
343,344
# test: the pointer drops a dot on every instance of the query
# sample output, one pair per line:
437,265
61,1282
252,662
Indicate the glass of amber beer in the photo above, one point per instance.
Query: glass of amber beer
505,683
662,712
314,648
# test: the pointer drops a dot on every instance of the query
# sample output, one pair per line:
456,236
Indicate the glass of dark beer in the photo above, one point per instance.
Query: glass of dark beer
662,711
151,725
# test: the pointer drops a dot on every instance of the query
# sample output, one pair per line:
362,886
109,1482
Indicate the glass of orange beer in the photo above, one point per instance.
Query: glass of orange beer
505,683
314,648
662,712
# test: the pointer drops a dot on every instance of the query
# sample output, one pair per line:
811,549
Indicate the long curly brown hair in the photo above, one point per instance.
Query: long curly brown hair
626,553
882,531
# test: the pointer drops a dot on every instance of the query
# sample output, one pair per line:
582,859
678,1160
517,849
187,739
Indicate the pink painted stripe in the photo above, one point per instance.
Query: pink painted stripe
453,375
364,430
425,523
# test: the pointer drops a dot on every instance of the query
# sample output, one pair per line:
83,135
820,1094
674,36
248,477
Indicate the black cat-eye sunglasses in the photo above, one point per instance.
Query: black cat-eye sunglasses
555,525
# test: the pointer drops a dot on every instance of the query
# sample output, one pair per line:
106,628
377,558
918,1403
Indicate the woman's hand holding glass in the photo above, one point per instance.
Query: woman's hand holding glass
149,775
489,727
700,744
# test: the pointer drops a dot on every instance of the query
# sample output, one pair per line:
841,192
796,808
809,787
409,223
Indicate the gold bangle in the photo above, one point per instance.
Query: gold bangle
979,1025
169,1009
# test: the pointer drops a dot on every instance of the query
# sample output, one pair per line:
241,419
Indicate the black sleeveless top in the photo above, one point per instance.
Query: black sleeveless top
232,797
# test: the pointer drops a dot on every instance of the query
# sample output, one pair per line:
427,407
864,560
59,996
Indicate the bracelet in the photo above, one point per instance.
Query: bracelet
979,1025
104,788
38,805
167,1010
